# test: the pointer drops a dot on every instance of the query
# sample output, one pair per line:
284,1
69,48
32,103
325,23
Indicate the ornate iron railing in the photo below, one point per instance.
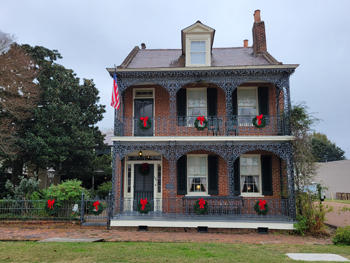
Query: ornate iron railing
218,208
236,125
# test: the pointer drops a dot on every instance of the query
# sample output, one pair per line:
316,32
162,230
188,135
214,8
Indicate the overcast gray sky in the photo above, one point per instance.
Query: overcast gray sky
92,35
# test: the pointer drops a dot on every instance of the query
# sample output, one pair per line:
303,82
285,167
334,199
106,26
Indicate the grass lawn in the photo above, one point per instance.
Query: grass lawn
156,252
338,201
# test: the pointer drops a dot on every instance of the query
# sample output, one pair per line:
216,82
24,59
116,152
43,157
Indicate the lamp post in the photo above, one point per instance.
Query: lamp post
51,174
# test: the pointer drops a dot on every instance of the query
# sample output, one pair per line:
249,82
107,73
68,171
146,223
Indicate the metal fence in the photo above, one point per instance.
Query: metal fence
218,208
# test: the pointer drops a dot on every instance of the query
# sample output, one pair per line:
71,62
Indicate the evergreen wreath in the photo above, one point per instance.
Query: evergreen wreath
92,207
257,207
197,122
144,169
51,207
142,126
200,207
262,125
143,203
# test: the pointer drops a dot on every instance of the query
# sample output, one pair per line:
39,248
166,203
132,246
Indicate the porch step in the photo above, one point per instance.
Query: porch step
279,225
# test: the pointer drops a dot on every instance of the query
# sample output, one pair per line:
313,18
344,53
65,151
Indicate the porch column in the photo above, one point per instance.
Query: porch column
291,185
119,118
287,104
172,89
117,190
172,177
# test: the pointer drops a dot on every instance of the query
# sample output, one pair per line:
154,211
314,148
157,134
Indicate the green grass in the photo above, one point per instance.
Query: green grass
338,201
156,252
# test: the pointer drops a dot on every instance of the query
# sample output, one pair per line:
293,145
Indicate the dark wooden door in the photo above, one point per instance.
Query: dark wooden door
143,183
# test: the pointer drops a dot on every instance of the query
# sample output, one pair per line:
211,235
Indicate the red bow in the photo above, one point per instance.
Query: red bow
201,203
96,204
50,203
144,119
144,167
259,118
262,204
201,119
143,202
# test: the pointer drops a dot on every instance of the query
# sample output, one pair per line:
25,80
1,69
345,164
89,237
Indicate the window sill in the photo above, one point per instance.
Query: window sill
252,195
197,195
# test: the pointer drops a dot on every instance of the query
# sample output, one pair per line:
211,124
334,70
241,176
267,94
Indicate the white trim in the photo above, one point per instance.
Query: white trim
198,37
209,224
284,66
203,138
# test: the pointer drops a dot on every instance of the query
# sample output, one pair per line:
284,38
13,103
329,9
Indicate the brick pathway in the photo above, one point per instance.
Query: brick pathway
8,233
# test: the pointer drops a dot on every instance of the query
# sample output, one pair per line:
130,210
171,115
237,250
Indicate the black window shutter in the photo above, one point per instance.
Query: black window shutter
234,103
212,101
213,175
266,173
263,99
181,105
237,177
182,175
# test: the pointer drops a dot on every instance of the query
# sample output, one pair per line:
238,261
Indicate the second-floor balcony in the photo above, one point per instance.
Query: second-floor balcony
235,125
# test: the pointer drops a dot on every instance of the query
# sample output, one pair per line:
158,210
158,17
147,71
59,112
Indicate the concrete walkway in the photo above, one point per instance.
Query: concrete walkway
115,235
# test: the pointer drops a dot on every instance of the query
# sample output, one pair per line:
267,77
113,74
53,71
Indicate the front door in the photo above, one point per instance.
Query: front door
143,182
143,108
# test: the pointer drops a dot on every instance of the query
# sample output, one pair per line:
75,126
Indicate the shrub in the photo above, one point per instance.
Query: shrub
103,189
69,190
342,236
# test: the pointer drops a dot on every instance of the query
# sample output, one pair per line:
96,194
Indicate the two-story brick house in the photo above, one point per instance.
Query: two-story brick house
190,127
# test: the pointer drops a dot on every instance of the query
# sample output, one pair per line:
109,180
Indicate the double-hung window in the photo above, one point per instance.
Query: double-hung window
197,174
250,174
247,104
196,104
197,52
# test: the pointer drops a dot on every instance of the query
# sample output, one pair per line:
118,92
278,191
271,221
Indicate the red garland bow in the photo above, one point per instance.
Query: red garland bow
201,119
144,167
259,118
201,203
143,202
96,204
144,119
262,204
50,203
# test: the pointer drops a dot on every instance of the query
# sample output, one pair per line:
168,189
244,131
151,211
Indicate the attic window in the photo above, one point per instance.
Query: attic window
144,94
197,52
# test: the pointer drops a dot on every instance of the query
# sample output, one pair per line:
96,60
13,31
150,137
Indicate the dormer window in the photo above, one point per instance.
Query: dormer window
197,52
197,43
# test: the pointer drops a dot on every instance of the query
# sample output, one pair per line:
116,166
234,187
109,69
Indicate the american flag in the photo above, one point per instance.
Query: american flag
115,93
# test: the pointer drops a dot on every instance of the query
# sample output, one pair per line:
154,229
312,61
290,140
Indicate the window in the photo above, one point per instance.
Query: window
250,174
196,104
197,174
197,52
247,105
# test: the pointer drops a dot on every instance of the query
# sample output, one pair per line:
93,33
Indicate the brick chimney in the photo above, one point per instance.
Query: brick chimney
259,36
143,45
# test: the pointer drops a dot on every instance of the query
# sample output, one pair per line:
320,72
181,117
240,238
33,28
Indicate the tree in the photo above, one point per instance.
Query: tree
62,131
18,94
324,150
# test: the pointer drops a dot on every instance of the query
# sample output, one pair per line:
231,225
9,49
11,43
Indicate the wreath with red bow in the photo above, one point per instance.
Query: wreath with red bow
261,207
144,169
144,123
96,207
259,121
201,206
143,206
51,207
201,123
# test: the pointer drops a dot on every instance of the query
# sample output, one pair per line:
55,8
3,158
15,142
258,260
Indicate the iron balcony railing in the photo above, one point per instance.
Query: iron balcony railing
218,208
236,125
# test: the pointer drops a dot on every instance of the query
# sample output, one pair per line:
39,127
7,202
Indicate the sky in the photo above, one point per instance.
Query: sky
94,35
